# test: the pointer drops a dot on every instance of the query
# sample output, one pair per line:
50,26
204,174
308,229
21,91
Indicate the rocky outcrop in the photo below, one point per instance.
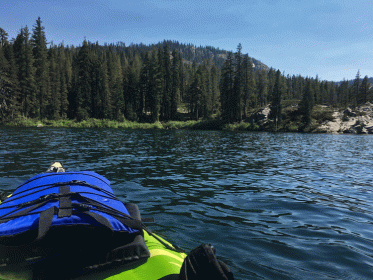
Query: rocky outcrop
348,112
259,117
357,121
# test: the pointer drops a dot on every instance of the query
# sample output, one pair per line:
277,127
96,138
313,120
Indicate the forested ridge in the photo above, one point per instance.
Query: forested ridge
42,80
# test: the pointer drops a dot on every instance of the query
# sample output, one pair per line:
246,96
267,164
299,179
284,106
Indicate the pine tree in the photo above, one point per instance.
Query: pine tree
191,70
3,37
364,90
64,80
26,73
324,88
71,78
355,91
131,90
183,78
97,87
54,104
164,58
226,89
155,87
195,93
83,83
215,92
9,91
4,86
106,96
116,91
13,91
248,87
307,103
144,86
262,87
39,43
297,85
289,86
276,106
271,79
175,84
332,95
130,95
316,90
343,94
138,104
238,95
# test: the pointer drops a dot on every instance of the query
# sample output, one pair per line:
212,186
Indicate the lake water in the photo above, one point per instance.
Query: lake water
275,206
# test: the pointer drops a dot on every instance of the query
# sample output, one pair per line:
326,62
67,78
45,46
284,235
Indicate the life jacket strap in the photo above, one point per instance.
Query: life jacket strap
45,222
65,208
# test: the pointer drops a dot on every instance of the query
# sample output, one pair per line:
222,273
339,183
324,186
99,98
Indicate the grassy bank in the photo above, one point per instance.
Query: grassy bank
90,123
96,123
291,122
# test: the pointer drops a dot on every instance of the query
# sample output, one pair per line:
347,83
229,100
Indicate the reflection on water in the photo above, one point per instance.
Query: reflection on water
276,206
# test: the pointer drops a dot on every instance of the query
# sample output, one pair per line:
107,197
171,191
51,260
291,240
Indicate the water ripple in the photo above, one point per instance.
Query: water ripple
276,206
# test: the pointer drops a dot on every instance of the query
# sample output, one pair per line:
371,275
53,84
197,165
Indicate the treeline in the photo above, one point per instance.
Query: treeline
243,89
150,83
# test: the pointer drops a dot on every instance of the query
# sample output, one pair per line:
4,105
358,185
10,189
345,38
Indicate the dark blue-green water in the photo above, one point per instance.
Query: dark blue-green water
275,206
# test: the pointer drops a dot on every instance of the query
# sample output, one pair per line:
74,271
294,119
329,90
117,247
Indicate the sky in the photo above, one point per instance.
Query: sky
329,38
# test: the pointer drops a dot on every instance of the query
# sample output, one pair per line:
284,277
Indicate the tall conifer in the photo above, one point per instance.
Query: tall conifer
276,106
155,87
84,81
226,88
355,91
39,43
236,101
307,103
167,83
262,87
3,37
175,84
364,90
54,85
26,73
12,95
64,84
215,92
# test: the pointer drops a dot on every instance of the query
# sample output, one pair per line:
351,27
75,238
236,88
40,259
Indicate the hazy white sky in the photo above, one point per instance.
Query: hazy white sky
331,38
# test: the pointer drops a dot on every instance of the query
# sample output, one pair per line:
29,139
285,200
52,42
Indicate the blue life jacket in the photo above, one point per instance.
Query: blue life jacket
72,212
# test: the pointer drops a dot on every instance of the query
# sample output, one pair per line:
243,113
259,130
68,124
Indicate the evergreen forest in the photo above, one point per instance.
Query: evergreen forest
151,83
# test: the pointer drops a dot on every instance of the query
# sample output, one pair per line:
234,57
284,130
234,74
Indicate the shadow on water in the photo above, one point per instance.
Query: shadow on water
276,206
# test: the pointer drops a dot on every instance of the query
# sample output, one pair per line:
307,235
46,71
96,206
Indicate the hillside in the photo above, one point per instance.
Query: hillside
189,52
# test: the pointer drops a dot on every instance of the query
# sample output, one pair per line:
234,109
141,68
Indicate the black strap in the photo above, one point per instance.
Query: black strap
64,210
125,219
101,220
58,184
46,218
23,212
45,221
135,224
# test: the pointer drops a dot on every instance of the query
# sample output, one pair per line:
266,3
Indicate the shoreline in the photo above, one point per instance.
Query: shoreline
325,120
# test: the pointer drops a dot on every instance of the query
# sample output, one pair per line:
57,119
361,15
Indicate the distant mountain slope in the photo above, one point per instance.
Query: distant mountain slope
192,53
